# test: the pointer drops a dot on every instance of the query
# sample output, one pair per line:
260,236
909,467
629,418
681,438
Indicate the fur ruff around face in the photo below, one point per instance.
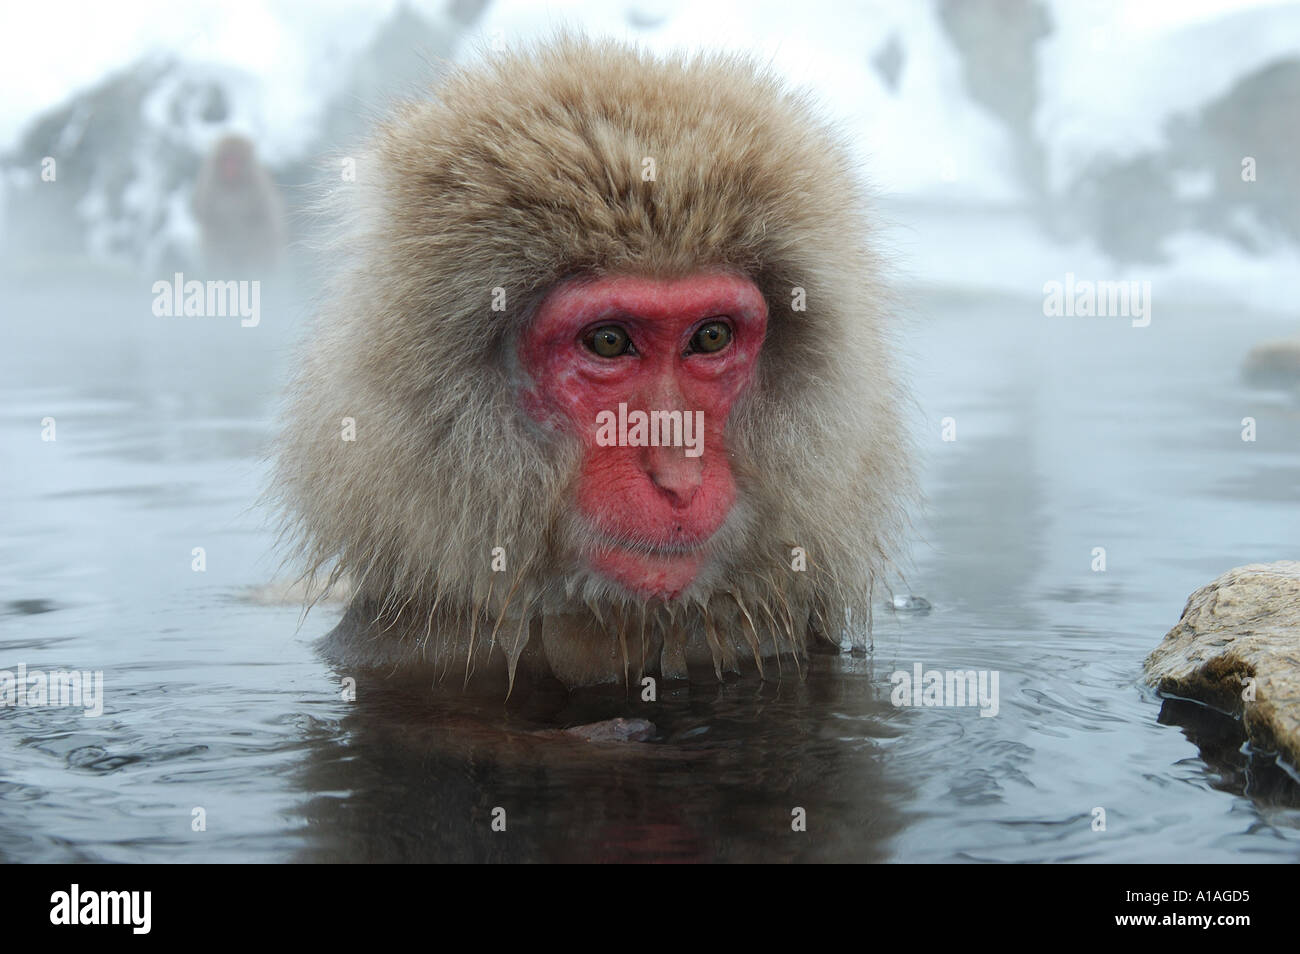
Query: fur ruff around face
569,160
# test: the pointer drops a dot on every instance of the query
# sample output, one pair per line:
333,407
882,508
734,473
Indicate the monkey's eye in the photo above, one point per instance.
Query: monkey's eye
713,336
608,341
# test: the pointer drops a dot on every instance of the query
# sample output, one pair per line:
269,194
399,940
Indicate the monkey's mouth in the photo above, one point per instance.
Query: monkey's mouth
650,571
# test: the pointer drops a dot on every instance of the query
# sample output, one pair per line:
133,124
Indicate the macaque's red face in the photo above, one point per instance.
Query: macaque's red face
233,162
610,361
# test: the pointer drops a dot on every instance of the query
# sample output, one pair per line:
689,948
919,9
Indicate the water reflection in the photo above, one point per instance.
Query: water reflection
417,776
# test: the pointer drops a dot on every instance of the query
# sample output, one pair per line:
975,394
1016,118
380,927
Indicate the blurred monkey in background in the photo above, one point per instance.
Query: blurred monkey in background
239,210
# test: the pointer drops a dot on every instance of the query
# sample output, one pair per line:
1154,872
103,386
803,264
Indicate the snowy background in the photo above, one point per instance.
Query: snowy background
1102,138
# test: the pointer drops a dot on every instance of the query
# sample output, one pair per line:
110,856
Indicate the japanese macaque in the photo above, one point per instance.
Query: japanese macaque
604,388
240,215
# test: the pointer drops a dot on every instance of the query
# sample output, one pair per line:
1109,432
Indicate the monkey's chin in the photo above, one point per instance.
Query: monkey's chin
650,576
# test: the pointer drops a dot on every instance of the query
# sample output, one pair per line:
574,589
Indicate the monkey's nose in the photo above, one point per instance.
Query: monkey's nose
675,475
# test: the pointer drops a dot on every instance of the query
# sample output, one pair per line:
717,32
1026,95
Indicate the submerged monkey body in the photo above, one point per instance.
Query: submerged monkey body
557,233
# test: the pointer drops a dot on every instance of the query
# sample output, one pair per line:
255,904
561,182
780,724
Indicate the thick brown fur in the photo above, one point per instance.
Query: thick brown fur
519,172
